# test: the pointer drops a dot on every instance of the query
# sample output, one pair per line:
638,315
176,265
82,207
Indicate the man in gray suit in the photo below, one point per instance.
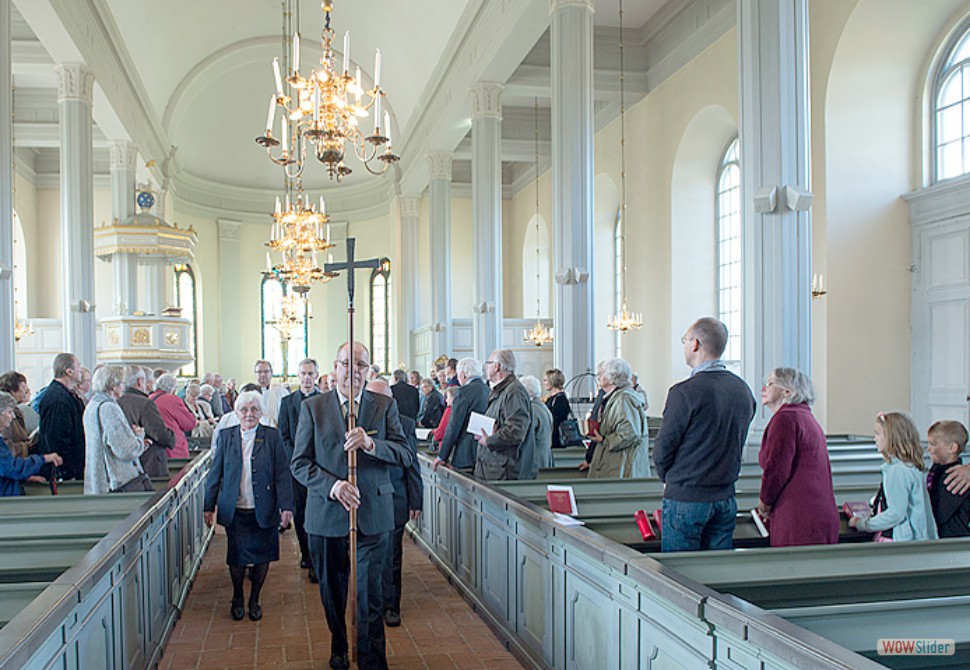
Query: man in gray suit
320,463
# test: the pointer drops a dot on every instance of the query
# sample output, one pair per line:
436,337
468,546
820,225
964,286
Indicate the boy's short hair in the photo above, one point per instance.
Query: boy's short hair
949,431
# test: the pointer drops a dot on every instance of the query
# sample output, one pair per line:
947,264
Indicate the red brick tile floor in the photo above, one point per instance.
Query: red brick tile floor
439,630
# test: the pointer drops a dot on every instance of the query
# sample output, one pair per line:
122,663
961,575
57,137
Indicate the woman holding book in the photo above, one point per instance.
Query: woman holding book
796,488
622,434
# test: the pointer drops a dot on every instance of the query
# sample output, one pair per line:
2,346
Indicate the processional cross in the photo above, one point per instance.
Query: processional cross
351,265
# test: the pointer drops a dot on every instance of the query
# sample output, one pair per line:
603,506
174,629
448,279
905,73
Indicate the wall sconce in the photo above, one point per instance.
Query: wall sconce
818,286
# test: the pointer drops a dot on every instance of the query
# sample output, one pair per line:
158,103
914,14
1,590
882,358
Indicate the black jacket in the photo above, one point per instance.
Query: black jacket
407,399
952,512
290,417
458,444
408,487
434,407
62,428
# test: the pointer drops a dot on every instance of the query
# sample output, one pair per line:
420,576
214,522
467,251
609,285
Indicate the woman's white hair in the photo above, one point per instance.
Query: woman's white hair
167,383
106,378
207,388
532,385
797,383
617,371
247,397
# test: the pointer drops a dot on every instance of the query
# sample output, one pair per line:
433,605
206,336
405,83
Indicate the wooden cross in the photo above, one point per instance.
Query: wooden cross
351,265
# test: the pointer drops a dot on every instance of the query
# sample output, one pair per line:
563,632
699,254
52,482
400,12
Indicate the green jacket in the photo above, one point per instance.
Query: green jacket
624,431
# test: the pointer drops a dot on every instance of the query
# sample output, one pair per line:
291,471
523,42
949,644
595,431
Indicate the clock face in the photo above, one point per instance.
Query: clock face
145,199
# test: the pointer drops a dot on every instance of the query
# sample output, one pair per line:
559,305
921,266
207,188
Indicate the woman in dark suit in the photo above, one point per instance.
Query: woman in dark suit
252,502
557,402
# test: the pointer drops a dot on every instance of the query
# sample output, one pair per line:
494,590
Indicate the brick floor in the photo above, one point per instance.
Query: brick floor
438,630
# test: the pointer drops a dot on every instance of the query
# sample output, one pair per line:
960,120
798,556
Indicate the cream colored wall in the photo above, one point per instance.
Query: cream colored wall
521,208
25,203
462,259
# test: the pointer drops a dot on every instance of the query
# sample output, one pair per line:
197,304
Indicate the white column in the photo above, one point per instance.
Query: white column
572,183
75,86
154,285
439,193
410,209
125,267
230,353
487,217
6,192
775,189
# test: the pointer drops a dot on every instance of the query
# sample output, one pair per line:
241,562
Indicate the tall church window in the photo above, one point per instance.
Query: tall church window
728,211
618,279
951,111
380,315
185,300
275,295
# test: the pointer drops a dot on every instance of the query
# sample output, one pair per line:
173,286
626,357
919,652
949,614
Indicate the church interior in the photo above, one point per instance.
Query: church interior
799,169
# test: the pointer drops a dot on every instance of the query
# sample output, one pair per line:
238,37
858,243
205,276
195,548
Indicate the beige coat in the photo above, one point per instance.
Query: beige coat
624,431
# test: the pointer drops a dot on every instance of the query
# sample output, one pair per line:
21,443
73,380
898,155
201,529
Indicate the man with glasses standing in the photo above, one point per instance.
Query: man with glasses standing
509,404
320,463
272,394
698,449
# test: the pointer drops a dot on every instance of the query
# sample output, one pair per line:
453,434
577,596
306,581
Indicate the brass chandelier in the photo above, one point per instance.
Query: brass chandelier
299,233
325,108
539,334
625,320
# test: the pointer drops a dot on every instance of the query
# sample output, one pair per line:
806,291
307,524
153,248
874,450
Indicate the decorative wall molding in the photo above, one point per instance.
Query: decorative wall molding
75,81
439,165
486,99
229,230
946,199
122,155
410,205
562,5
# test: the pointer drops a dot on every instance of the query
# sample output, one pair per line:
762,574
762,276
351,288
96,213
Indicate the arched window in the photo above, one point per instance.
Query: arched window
728,212
951,110
185,299
618,278
276,295
535,268
380,315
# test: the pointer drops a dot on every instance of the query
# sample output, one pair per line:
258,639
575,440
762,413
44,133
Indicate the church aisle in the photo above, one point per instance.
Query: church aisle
439,630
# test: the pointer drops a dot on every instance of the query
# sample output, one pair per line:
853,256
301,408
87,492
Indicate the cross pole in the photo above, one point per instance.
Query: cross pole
351,265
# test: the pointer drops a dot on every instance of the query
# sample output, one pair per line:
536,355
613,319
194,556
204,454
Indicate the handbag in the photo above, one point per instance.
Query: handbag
140,482
569,435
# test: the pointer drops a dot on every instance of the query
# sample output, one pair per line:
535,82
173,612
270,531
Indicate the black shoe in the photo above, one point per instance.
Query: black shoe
392,618
237,610
305,563
339,661
312,575
255,611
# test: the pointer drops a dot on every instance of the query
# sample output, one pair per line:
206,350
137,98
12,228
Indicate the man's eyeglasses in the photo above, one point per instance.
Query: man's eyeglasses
360,365
490,362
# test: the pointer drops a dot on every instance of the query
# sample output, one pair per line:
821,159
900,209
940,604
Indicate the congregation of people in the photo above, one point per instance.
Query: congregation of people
280,456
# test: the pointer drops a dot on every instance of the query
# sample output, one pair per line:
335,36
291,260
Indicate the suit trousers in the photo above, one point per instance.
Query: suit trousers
331,560
392,570
299,517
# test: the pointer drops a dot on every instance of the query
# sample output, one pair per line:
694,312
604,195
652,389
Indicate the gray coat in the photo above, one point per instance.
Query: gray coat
111,447
510,406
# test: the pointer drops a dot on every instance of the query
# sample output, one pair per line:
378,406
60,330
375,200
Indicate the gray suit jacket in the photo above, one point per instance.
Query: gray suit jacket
319,462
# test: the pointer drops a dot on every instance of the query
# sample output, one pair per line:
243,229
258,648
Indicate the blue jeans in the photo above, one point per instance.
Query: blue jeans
689,526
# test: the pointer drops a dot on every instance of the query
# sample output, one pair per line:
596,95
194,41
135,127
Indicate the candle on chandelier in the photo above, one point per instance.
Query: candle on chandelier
270,115
316,105
328,236
346,52
277,210
323,207
377,69
387,128
269,263
276,75
296,52
358,82
377,115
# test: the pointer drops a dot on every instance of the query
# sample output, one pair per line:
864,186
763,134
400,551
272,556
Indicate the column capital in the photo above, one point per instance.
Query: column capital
410,205
122,155
560,5
486,100
75,81
228,229
439,164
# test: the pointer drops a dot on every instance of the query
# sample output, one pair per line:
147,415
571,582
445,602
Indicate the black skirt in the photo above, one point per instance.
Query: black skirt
248,543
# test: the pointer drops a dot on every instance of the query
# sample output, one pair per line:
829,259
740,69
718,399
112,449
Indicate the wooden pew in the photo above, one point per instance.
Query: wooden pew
76,487
29,517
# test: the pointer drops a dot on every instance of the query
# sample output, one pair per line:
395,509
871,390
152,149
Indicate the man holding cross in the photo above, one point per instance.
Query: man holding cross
320,463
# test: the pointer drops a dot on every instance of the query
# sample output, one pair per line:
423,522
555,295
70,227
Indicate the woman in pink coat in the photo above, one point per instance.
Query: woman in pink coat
796,487
174,413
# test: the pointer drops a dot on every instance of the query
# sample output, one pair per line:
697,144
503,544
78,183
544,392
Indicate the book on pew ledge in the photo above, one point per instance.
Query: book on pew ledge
566,520
643,523
760,522
859,509
561,499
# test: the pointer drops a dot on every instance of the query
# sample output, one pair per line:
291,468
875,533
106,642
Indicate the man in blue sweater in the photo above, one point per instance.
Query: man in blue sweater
697,452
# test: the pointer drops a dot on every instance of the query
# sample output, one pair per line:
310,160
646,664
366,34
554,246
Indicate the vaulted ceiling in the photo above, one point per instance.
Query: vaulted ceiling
188,80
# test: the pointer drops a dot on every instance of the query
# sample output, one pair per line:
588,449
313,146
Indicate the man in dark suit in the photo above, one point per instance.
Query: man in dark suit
408,503
406,395
458,444
61,426
320,464
308,371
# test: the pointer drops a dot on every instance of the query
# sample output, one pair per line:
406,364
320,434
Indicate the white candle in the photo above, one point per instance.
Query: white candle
377,69
270,115
346,52
277,210
283,134
296,52
276,75
269,264
328,233
323,207
330,258
358,78
387,127
377,115
316,105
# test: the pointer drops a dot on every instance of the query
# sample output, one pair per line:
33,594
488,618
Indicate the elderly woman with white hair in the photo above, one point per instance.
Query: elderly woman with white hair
542,423
249,491
621,440
174,413
112,445
196,399
796,487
